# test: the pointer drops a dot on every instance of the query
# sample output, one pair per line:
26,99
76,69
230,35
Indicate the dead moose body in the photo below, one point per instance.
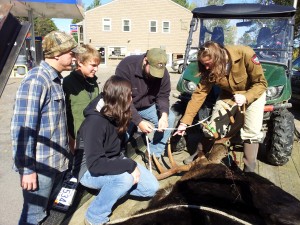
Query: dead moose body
212,193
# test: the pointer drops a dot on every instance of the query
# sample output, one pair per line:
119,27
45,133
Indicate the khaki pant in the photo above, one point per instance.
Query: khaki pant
253,119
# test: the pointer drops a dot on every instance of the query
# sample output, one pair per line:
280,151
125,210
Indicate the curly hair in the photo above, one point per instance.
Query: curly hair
117,100
217,53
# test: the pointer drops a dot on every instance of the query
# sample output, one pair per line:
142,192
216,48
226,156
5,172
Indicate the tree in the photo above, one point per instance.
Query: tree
183,3
94,4
74,21
42,26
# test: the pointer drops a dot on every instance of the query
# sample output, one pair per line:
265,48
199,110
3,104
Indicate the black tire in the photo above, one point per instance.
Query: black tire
282,138
180,68
297,134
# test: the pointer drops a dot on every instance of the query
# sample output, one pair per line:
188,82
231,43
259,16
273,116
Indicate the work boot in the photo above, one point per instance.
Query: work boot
249,158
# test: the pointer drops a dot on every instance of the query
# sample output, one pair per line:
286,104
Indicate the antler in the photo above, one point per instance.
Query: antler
217,152
174,167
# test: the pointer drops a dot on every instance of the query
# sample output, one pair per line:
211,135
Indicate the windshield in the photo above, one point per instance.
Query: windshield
268,37
296,64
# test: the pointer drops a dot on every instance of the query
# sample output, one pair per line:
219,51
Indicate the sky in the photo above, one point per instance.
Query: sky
64,24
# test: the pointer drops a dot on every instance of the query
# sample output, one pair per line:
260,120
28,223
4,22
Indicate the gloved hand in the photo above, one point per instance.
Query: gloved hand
240,99
181,129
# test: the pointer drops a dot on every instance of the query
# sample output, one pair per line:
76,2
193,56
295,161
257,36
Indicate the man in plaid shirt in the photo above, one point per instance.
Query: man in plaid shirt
38,127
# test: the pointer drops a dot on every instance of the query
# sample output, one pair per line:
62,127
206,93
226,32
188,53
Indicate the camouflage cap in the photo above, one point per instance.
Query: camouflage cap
57,42
157,59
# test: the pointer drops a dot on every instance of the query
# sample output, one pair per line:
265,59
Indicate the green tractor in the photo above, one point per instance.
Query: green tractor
268,29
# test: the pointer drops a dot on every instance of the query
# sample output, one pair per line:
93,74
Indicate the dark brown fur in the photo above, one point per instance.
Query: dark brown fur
246,196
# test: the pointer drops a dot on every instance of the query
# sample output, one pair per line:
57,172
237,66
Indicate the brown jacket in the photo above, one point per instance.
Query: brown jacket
246,77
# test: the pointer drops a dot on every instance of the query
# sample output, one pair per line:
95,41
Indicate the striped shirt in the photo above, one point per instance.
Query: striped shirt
38,127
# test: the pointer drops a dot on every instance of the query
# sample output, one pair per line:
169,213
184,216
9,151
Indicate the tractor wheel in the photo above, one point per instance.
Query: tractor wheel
180,68
282,139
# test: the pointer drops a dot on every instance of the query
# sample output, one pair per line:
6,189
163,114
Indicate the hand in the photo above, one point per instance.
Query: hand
240,99
29,182
136,175
163,124
145,127
72,144
181,129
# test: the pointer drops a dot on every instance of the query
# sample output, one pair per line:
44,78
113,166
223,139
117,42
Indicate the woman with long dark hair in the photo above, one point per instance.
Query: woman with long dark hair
107,167
239,74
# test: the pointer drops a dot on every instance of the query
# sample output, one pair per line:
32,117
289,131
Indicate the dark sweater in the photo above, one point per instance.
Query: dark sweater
102,146
145,92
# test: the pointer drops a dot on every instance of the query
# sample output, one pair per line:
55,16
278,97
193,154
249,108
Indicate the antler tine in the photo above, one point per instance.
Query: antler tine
174,167
160,168
231,118
173,170
170,156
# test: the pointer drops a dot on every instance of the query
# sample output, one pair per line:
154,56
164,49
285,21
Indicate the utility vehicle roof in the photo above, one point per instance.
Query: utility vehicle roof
244,10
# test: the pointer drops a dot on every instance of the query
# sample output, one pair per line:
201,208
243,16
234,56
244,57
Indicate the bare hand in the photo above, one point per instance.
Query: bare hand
145,127
181,129
240,99
162,124
136,175
29,182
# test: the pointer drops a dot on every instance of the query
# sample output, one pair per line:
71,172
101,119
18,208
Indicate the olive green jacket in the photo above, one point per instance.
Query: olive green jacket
246,77
79,92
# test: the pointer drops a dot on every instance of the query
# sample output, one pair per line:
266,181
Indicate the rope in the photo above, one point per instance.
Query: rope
155,129
187,126
204,208
149,154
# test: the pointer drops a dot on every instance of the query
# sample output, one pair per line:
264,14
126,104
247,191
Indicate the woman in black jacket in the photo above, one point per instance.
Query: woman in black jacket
107,168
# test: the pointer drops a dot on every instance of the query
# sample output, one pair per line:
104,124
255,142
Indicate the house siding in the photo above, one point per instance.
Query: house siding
139,39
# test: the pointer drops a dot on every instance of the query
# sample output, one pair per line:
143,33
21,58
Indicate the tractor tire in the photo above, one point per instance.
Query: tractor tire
282,138
297,134
180,68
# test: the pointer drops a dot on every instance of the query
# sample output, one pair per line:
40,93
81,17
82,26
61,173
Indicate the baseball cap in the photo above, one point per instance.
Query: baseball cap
157,59
57,42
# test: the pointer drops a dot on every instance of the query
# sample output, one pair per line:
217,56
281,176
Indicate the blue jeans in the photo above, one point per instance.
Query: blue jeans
114,187
158,143
36,202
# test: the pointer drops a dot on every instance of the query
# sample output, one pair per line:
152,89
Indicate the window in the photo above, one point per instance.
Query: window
106,24
153,26
166,27
116,52
126,26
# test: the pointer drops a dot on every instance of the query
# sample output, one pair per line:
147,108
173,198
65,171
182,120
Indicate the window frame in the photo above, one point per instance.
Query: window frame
104,24
156,27
162,27
123,25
